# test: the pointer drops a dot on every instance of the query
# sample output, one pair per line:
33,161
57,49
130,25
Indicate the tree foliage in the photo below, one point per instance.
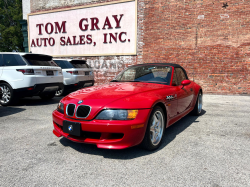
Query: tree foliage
11,38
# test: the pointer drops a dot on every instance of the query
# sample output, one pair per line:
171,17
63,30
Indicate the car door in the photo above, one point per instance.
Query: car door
172,101
184,93
1,65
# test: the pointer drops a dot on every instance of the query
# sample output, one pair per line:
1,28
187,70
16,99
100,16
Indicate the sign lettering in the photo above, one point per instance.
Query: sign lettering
85,32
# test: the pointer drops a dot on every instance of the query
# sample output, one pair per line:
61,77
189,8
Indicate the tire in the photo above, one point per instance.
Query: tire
198,105
155,129
47,96
60,92
7,96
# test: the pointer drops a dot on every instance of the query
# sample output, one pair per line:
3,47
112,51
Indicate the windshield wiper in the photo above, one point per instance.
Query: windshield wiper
114,81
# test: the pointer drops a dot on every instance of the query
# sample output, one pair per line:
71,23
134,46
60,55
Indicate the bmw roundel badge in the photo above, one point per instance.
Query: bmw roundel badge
70,128
79,102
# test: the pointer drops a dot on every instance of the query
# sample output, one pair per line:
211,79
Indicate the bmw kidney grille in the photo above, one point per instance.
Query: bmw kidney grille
82,111
71,109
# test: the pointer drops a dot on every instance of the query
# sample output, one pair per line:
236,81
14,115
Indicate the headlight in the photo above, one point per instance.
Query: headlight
60,108
117,114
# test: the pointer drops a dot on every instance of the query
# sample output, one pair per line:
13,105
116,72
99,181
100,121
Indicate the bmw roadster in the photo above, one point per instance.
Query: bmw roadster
134,108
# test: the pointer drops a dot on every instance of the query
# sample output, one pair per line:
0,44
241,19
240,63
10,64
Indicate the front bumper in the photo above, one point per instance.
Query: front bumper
106,134
37,89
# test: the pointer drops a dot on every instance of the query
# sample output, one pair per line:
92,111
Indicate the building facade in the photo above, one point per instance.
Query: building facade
210,39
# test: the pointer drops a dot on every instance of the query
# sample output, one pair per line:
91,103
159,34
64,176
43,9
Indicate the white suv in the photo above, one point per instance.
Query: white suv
77,74
27,74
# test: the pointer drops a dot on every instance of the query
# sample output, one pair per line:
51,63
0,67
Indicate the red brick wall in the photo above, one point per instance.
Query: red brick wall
216,48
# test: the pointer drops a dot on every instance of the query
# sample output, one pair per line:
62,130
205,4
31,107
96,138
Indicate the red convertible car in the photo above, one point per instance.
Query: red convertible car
134,108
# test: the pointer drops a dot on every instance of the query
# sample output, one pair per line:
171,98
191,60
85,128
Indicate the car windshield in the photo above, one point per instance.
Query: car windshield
64,64
149,73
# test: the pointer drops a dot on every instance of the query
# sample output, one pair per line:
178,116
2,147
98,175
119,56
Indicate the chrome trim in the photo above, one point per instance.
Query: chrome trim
170,97
67,109
82,117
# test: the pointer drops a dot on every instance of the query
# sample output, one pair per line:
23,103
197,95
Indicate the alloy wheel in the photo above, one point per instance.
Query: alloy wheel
6,94
200,103
156,128
59,92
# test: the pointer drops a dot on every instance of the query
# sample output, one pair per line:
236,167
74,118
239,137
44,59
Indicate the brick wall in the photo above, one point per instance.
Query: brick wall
210,39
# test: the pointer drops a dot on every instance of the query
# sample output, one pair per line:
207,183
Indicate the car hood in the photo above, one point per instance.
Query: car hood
104,96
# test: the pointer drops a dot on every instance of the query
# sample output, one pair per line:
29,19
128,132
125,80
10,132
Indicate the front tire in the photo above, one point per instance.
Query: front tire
47,96
155,129
198,105
7,95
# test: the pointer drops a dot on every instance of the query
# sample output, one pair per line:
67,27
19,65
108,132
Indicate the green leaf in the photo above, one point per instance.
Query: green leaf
11,38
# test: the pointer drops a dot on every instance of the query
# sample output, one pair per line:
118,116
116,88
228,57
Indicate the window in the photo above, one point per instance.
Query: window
180,75
13,60
39,60
79,64
128,75
64,64
1,60
148,73
33,62
175,81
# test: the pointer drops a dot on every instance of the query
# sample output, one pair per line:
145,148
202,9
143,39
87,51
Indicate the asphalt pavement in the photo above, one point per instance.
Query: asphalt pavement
210,150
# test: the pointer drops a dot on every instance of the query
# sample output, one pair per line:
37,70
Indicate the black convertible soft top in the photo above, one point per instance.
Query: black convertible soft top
163,64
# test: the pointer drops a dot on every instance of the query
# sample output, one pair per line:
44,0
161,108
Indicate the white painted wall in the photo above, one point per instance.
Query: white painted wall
26,8
38,5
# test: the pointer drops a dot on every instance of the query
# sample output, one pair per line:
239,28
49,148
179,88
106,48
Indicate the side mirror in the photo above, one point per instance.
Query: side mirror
185,82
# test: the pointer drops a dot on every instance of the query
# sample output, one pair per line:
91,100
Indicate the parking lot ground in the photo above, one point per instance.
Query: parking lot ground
210,150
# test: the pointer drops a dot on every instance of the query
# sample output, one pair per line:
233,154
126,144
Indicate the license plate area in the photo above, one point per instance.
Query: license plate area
50,73
72,128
